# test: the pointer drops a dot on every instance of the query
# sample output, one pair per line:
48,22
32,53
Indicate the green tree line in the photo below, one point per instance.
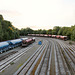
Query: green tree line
7,30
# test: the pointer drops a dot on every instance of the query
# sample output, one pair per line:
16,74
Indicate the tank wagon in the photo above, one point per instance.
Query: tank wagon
37,35
58,36
29,34
45,35
51,36
41,35
63,38
33,39
27,42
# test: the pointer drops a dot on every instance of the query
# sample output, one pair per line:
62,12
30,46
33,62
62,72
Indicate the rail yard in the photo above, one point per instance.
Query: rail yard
52,57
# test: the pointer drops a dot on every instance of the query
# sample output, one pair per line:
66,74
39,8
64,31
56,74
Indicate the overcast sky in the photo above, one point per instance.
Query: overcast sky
38,14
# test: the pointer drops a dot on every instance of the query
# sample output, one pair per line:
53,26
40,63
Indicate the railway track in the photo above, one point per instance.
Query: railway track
53,57
61,65
7,55
57,59
31,62
5,63
68,59
43,66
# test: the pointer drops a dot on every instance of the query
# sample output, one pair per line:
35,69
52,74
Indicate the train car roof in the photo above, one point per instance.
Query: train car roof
33,38
57,35
28,40
3,44
53,35
15,41
63,36
24,38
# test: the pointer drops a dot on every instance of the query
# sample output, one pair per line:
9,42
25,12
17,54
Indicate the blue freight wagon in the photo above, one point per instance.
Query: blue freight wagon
4,46
15,43
10,44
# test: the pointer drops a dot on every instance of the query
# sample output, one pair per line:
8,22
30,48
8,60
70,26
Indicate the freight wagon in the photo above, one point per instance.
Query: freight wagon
10,44
51,36
27,42
4,46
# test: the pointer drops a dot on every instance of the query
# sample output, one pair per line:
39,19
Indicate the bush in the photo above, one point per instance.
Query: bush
11,63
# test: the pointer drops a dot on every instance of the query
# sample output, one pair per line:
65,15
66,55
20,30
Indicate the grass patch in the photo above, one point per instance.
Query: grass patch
11,63
70,43
19,65
3,71
27,59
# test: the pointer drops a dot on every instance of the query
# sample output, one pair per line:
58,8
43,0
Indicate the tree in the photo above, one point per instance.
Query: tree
35,32
44,32
6,36
49,31
56,30
1,32
60,31
7,30
73,35
1,17
29,30
39,31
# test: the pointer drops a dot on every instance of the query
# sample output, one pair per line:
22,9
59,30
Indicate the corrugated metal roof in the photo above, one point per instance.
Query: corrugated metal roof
15,41
3,44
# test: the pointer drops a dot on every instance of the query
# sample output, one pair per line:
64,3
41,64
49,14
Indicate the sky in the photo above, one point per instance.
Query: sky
38,14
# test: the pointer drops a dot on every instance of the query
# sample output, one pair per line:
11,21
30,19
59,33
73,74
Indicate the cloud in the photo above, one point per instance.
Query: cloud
36,14
9,12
